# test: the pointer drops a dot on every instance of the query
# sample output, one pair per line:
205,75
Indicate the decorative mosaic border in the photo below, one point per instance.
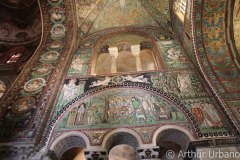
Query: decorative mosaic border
198,38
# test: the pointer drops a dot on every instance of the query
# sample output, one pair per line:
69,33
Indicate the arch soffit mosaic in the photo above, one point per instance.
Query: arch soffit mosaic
51,33
69,134
119,130
68,142
174,127
214,55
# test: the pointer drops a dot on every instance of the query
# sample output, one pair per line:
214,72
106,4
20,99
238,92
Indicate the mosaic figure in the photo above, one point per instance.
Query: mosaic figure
183,82
139,79
101,82
58,30
50,56
57,14
197,112
173,54
77,64
42,69
206,115
148,106
70,90
23,105
80,114
90,114
122,106
34,84
55,44
80,63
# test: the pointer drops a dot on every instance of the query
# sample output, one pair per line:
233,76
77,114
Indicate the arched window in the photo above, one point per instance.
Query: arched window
180,8
14,58
128,53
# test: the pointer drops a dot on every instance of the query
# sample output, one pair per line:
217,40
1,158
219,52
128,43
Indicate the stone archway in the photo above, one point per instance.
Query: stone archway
171,143
71,144
120,138
76,153
122,145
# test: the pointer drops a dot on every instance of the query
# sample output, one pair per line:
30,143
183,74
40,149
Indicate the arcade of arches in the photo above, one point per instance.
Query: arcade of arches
119,79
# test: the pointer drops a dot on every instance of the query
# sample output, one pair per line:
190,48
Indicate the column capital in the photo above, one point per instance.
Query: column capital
96,155
148,153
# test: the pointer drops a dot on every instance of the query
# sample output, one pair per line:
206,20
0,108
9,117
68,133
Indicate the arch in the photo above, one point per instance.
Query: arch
125,133
145,88
203,50
67,141
173,133
137,31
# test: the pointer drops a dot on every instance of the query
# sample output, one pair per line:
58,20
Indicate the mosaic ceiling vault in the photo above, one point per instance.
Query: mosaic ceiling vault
97,15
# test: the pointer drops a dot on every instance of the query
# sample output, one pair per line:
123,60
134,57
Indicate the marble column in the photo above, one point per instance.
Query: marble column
113,51
148,153
135,50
